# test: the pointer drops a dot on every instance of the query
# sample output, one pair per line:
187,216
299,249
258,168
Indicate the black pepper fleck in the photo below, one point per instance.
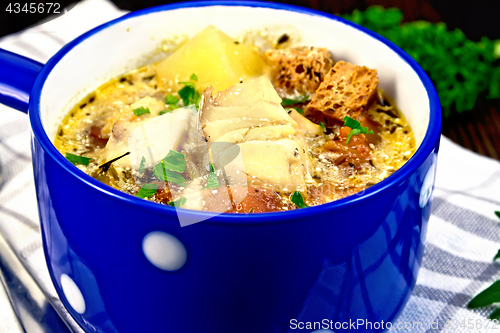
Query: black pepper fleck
283,39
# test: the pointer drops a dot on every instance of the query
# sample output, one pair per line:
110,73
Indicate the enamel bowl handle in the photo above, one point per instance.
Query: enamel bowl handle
17,76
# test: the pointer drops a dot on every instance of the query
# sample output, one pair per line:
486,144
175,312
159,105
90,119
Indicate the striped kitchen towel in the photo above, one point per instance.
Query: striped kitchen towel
462,238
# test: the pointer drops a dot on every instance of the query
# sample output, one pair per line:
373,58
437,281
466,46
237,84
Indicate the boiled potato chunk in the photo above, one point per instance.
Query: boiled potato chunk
214,57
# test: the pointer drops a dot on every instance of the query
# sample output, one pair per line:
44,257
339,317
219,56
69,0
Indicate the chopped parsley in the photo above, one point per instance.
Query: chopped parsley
178,203
298,100
171,100
356,128
189,94
497,213
495,314
142,166
322,125
147,190
172,104
140,111
213,182
490,295
175,161
251,211
170,167
298,200
487,297
75,159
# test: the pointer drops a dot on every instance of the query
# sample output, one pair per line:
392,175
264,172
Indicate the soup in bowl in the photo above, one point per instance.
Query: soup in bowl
124,264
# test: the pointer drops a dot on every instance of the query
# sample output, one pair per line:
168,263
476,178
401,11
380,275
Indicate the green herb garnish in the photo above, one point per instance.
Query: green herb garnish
497,256
298,200
170,167
497,213
171,99
188,93
175,161
322,125
147,190
140,111
460,68
487,297
168,175
251,211
178,203
213,182
298,100
495,314
142,166
356,128
299,110
75,159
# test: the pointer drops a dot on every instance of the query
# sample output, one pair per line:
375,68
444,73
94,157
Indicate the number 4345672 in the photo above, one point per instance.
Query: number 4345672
34,7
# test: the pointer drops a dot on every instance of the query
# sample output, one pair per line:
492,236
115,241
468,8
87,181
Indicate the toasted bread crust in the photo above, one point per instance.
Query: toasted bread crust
346,91
298,70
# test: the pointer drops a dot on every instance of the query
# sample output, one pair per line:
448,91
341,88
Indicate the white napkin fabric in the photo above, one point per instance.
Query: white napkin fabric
462,239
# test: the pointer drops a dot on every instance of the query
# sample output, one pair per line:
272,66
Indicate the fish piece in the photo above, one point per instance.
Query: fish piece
250,115
148,136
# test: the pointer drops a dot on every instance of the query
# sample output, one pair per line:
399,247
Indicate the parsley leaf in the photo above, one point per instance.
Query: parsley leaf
251,211
299,110
147,190
178,203
171,99
75,159
497,256
188,93
140,111
298,100
170,167
213,182
470,66
356,128
175,161
497,213
142,166
168,175
322,125
495,314
487,297
298,200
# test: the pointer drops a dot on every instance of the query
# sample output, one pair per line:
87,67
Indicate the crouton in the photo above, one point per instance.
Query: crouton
298,70
346,91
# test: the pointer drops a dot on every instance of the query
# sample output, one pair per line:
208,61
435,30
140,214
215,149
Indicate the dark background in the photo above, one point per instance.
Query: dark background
475,18
478,129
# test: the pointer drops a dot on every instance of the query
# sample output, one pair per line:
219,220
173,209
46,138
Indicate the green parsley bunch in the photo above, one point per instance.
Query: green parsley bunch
460,69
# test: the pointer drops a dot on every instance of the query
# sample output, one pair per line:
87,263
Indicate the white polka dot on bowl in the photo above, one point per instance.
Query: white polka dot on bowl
164,251
73,294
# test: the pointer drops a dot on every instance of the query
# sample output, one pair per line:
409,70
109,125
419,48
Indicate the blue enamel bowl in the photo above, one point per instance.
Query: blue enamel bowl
122,264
